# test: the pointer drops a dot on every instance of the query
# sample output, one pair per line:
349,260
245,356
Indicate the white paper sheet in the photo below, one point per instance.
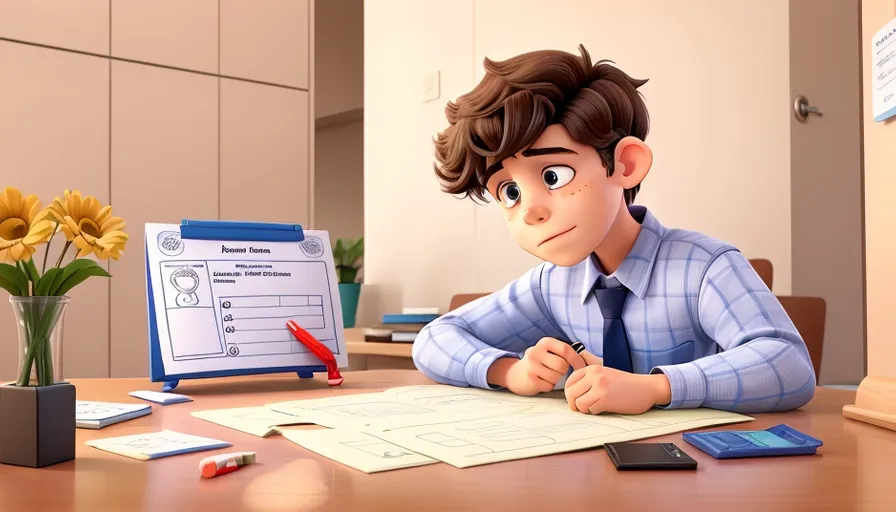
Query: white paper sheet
357,449
258,421
543,430
224,305
154,445
404,405
467,426
883,72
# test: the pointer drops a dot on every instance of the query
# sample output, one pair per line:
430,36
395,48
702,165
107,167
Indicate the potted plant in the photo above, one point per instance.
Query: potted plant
347,255
37,411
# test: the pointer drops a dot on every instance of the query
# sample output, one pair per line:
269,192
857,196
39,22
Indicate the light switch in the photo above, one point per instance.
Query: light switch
431,86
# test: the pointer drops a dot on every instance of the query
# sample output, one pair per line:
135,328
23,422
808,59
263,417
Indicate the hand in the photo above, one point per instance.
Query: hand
596,389
540,369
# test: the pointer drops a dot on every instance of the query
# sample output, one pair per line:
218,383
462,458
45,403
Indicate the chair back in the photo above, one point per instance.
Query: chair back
765,270
463,298
808,314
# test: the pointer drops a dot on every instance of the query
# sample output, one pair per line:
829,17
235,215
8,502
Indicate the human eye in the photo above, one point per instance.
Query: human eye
508,193
556,176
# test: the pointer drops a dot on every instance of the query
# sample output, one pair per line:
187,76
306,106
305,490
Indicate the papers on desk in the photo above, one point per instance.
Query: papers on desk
160,398
361,451
468,427
258,421
96,415
155,445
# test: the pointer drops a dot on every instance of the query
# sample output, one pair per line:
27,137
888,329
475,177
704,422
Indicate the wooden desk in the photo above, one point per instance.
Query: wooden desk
853,472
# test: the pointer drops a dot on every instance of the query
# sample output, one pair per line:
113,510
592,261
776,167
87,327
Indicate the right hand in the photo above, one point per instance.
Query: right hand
542,367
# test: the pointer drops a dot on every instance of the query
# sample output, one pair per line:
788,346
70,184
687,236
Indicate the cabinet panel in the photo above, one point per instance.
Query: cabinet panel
169,32
264,153
54,124
164,169
266,41
75,25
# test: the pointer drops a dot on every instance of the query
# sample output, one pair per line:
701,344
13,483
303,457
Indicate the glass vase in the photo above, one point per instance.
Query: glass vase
39,321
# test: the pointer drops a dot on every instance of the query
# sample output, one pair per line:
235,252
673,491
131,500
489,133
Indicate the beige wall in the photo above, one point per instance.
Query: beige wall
339,129
880,210
192,113
710,77
339,55
339,180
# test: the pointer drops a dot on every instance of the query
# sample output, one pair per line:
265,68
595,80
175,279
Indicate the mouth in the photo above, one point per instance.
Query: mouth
546,240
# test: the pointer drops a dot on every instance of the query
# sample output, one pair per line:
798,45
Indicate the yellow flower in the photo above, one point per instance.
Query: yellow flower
21,226
89,226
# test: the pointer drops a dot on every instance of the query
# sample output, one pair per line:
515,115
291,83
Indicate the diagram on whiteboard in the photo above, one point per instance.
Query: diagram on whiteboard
223,305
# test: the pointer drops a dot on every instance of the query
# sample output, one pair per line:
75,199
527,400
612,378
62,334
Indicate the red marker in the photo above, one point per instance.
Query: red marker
218,465
334,378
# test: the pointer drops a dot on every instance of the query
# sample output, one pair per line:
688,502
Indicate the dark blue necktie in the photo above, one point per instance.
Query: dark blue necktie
617,353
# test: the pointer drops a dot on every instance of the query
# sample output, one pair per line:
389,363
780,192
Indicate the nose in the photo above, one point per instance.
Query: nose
536,214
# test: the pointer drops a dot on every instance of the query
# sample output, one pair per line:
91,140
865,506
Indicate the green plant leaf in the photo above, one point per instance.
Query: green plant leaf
13,280
46,282
76,273
31,271
355,252
339,253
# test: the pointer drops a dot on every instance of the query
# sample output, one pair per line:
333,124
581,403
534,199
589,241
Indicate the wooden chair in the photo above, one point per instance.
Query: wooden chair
463,298
765,270
808,315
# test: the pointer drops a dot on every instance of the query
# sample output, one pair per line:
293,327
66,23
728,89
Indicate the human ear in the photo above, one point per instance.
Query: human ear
633,159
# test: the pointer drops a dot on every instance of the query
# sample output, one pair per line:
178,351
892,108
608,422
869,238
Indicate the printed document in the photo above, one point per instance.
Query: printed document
224,305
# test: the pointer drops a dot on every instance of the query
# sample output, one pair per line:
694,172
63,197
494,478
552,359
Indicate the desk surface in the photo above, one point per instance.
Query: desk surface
854,470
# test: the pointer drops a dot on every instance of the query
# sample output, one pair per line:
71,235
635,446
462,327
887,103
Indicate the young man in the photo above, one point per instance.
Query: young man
679,319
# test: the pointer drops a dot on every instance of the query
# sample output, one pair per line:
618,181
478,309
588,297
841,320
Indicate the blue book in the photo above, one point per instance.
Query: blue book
399,318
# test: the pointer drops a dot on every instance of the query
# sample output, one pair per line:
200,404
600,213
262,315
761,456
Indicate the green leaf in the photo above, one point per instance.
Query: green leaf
31,271
339,253
45,284
355,252
13,280
77,274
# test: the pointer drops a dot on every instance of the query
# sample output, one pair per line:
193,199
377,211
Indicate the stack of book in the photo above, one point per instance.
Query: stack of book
401,327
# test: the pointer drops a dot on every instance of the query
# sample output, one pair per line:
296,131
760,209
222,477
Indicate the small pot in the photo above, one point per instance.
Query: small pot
37,424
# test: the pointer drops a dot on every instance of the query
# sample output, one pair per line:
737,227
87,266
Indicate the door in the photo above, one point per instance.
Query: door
826,176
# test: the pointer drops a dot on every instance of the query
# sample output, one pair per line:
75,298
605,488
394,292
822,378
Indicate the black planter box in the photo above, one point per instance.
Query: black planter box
37,425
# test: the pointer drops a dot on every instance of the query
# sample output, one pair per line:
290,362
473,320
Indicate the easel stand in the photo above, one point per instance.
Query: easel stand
875,403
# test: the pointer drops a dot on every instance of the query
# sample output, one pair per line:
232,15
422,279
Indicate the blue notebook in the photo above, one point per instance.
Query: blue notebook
400,318
775,441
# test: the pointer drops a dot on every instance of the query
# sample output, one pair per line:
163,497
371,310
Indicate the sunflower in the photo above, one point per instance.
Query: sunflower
21,225
89,225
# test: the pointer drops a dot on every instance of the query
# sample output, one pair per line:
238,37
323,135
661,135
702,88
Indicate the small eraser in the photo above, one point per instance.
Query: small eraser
335,382
160,398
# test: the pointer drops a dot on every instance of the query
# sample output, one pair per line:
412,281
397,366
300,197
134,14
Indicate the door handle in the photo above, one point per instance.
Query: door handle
802,108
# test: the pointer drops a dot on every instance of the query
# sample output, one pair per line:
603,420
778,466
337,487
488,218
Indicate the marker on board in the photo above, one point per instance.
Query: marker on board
334,378
217,465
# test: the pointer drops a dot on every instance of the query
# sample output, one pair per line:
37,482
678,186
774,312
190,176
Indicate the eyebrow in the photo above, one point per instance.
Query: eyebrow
497,166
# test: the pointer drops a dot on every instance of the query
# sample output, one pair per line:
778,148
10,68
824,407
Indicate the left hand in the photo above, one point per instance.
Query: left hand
596,389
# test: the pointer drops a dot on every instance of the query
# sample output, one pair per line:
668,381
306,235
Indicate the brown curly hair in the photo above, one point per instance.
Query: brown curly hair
519,97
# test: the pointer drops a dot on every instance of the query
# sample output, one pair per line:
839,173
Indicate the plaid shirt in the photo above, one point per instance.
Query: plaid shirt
696,311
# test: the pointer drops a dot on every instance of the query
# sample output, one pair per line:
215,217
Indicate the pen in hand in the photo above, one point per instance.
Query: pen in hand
590,359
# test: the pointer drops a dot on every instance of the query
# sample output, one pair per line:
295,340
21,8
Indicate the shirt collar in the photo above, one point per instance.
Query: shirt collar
635,270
